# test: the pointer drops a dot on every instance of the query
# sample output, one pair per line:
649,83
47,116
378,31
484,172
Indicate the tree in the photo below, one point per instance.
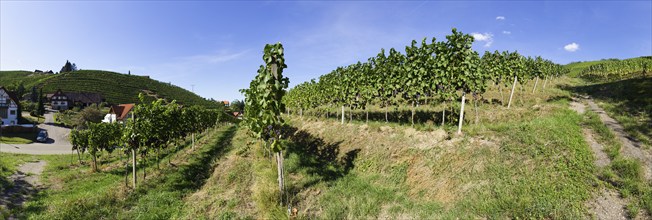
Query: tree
68,67
34,94
88,115
20,91
40,108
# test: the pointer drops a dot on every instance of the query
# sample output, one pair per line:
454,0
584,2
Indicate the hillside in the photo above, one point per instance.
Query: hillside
115,87
26,77
577,67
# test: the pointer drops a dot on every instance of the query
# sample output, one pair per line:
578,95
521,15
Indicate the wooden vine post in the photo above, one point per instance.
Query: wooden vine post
512,93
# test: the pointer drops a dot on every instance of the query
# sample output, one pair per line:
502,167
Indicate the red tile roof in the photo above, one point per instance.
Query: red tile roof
121,111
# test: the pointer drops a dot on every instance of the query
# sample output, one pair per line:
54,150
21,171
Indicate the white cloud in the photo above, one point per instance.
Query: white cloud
572,47
507,32
500,18
486,37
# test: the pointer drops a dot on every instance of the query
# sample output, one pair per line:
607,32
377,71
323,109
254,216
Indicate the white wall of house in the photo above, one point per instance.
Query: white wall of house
59,103
8,109
109,118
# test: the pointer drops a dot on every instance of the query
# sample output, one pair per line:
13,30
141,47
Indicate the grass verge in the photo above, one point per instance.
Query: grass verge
17,138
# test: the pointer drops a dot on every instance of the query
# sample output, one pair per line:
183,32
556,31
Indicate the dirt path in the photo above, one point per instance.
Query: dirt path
631,147
607,204
601,158
26,183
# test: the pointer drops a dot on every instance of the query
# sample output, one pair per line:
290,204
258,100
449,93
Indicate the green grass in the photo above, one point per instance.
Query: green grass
116,88
18,138
31,119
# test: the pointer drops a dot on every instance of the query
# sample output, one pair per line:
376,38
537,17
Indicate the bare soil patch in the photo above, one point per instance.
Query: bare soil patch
607,205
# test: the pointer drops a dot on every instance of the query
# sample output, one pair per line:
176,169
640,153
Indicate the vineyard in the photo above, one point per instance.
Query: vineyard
427,74
611,70
156,128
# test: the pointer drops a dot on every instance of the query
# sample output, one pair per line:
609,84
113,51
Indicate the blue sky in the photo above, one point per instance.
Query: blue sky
217,46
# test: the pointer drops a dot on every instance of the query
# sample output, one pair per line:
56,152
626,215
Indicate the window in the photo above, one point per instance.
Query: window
12,112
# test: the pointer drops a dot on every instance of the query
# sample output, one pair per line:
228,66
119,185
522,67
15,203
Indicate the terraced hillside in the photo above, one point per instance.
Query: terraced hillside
115,87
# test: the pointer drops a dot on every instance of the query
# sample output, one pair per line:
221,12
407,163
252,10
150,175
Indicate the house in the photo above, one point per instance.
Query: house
64,101
58,100
119,113
8,107
226,103
238,115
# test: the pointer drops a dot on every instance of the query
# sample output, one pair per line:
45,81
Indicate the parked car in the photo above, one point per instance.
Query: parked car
42,136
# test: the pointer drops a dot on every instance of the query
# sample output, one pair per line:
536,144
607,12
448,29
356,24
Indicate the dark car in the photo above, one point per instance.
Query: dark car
42,136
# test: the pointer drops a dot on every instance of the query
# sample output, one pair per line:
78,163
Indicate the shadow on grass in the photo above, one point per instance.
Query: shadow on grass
16,193
558,98
318,158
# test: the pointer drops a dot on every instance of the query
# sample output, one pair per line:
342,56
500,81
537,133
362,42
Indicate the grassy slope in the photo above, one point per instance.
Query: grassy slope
115,87
29,79
529,161
577,67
